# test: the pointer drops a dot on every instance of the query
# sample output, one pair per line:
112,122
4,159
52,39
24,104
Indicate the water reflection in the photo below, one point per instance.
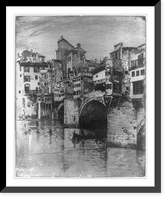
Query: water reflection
46,149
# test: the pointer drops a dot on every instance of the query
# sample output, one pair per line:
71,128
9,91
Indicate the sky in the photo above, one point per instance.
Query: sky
96,34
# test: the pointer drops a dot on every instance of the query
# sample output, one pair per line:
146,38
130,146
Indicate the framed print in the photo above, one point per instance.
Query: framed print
84,110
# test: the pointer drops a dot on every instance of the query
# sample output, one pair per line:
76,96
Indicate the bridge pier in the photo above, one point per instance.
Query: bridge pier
140,118
121,126
71,113
39,109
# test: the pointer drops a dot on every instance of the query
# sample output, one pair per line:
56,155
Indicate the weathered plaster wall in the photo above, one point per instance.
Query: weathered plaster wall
121,126
71,112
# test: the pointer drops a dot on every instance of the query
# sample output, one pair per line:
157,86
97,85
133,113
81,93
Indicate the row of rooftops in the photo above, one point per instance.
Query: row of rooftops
36,64
128,48
98,68
31,53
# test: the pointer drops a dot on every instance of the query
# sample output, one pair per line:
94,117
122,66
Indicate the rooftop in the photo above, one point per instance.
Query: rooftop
128,48
30,64
65,41
32,53
73,48
99,69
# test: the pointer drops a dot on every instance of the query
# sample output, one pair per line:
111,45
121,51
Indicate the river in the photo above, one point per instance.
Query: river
46,149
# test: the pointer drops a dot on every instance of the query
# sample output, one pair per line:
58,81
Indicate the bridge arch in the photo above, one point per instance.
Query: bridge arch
95,99
61,112
60,105
93,114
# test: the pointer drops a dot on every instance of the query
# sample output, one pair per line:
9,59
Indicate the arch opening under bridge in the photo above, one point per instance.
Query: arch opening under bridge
93,115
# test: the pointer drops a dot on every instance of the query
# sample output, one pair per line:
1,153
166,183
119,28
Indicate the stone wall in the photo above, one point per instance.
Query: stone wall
122,126
71,112
141,129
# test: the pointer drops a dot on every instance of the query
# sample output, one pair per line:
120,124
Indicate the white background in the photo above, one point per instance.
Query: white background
10,91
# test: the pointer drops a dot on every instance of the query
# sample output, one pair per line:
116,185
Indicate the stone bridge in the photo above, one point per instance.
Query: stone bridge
99,97
124,123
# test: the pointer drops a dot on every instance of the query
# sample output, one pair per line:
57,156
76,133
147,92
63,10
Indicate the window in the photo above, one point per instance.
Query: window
140,56
23,102
69,58
20,75
137,73
27,88
26,78
36,77
19,91
136,63
36,69
126,72
140,59
108,86
117,73
132,63
96,76
138,87
36,89
38,83
26,69
142,72
133,74
116,87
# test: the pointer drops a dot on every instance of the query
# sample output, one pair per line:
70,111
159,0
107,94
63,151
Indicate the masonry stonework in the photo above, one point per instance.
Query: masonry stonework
141,133
121,126
71,112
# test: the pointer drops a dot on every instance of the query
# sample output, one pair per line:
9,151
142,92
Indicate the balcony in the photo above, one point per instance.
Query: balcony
135,64
84,74
43,71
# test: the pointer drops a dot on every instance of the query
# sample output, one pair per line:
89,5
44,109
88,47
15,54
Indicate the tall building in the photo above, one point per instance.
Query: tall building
137,73
76,76
28,74
121,57
62,52
70,57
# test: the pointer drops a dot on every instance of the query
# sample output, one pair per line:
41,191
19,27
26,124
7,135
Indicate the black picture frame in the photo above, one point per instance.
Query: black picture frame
157,187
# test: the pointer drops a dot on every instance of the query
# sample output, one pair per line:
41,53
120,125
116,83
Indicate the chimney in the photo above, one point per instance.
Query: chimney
78,45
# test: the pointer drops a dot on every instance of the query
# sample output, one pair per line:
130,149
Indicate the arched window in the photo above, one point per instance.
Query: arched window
27,88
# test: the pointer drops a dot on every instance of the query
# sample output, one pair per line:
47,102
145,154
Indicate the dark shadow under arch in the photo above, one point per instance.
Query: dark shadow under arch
61,114
93,116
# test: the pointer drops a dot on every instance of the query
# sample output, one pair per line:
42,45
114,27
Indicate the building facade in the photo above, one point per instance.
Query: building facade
28,76
137,73
123,60
99,78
